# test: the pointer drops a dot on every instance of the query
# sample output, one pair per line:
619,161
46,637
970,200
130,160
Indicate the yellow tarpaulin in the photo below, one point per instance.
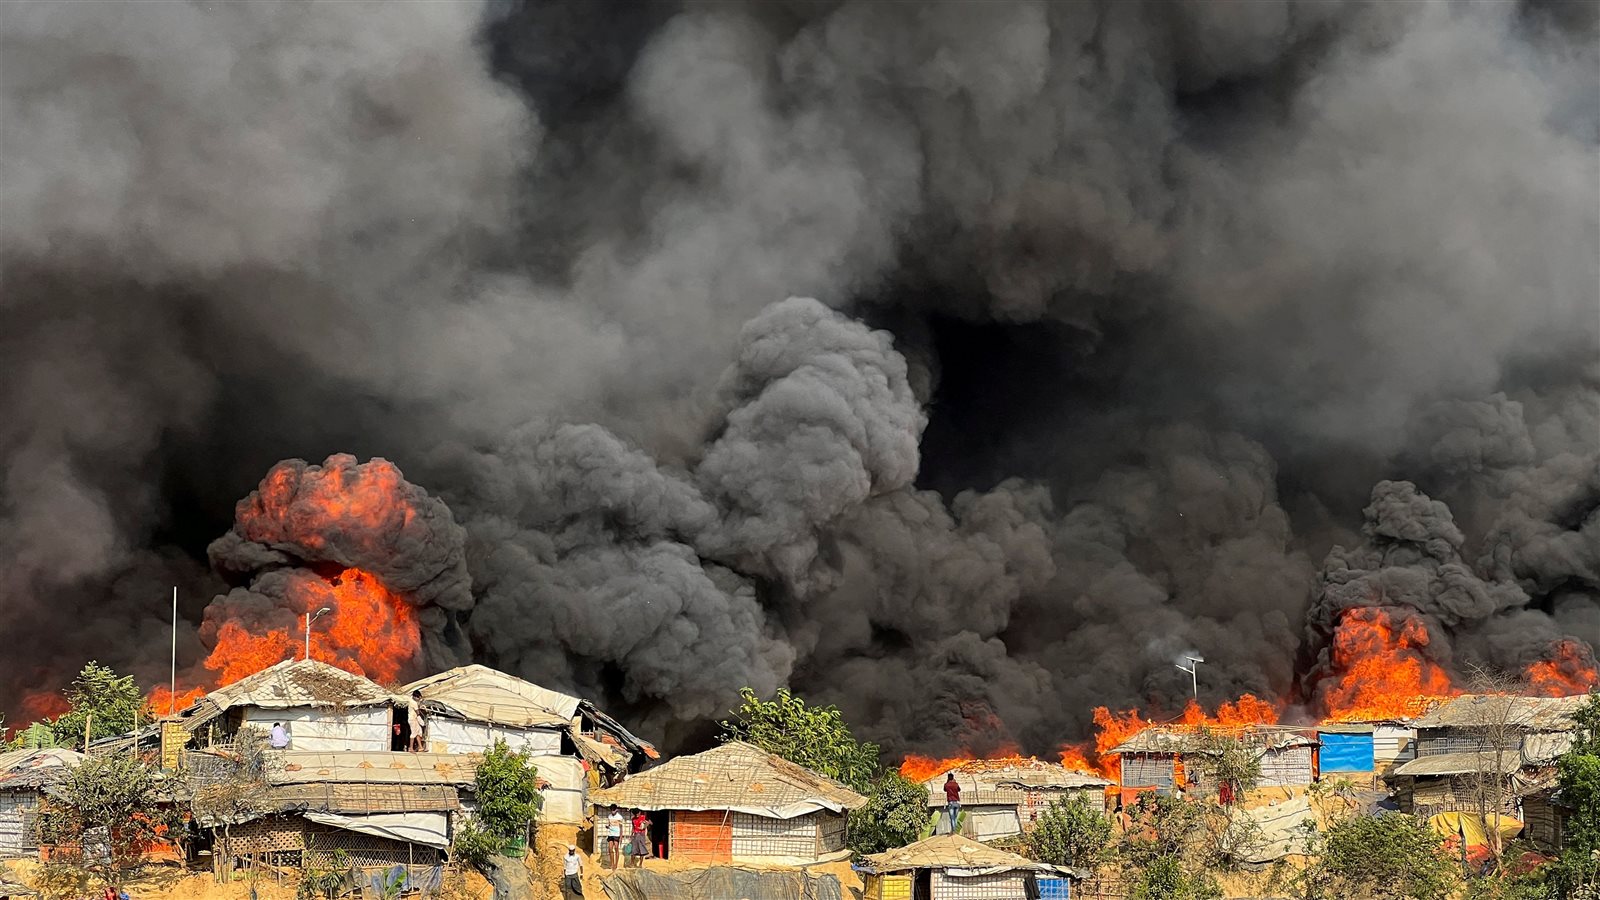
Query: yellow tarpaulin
1469,829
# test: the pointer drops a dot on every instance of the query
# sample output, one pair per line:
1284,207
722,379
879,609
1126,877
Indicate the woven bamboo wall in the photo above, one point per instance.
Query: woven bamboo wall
1004,886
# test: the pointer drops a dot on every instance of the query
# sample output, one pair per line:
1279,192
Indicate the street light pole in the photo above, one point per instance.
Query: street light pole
1193,668
312,617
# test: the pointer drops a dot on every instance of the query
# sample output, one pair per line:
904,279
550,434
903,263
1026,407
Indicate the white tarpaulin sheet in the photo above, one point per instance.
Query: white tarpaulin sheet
358,728
427,828
456,736
1282,831
569,788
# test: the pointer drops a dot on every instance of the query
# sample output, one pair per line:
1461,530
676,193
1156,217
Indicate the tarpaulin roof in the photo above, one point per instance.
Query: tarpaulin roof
1459,764
955,852
735,776
720,883
1280,828
363,798
29,769
482,694
1527,713
1005,783
426,828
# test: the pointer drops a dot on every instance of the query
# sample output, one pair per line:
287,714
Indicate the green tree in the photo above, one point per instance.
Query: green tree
1576,874
1166,877
896,812
507,788
109,704
1385,857
111,801
1071,832
815,737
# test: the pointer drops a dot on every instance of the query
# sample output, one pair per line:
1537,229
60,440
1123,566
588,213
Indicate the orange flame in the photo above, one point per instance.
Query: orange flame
1383,672
370,631
1112,728
1570,670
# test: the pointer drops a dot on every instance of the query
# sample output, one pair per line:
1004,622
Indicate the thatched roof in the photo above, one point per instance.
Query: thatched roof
363,798
1163,740
23,770
735,776
1491,710
371,767
953,851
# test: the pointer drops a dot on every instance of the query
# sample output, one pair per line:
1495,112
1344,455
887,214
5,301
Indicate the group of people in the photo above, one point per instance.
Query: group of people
612,827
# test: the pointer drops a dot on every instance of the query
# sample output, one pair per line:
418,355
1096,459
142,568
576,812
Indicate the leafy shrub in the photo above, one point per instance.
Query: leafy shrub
1070,832
896,812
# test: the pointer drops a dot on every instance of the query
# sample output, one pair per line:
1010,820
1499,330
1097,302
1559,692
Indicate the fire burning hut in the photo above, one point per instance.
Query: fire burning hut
738,803
1004,797
24,774
954,867
1166,759
1491,754
471,707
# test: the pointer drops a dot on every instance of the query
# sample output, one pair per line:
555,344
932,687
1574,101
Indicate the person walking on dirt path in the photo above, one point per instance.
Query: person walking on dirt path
614,837
952,801
572,874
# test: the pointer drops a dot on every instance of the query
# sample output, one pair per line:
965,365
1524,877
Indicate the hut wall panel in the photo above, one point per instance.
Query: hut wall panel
830,832
703,836
18,809
888,887
1140,770
757,836
1541,821
1004,886
1288,766
1392,745
986,823
357,728
454,736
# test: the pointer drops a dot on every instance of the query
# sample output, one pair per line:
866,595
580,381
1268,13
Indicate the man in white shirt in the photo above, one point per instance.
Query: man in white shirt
572,874
280,737
614,836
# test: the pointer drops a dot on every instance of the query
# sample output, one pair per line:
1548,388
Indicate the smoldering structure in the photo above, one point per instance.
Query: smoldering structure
1121,312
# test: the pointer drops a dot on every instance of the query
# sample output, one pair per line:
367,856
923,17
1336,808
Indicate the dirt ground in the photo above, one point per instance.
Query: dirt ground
172,883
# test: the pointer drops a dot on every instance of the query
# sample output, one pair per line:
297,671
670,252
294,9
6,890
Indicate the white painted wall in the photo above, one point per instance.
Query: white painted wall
455,736
313,728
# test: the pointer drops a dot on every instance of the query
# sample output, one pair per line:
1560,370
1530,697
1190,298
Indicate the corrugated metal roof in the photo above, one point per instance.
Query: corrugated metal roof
371,767
736,776
1458,764
27,769
1527,713
953,851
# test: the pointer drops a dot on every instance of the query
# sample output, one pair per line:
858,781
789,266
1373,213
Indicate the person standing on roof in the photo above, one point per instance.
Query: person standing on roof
280,737
952,801
572,874
414,721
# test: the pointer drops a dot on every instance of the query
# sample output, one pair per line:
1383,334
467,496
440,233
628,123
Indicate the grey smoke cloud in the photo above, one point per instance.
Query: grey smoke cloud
1157,293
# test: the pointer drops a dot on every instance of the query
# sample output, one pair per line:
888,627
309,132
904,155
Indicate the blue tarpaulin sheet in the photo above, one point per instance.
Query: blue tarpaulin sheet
1346,752
1055,889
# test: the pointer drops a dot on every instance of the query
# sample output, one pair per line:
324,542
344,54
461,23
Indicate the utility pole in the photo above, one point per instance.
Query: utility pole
172,686
312,617
1193,668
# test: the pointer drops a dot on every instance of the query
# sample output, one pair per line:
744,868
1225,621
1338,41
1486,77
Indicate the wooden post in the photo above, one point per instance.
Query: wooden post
87,719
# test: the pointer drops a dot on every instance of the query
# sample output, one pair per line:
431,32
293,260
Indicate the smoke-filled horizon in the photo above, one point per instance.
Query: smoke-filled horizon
960,364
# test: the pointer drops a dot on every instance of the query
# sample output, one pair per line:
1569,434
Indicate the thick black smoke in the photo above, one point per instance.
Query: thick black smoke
1122,311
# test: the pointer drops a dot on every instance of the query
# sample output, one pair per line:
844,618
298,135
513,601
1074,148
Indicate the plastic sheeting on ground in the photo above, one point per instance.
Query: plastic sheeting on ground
426,828
1282,830
1467,828
720,883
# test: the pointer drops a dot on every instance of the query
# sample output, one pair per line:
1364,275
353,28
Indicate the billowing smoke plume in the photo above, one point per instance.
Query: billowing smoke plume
1122,311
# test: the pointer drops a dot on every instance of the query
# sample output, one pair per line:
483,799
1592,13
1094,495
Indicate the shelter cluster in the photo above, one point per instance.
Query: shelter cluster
383,781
